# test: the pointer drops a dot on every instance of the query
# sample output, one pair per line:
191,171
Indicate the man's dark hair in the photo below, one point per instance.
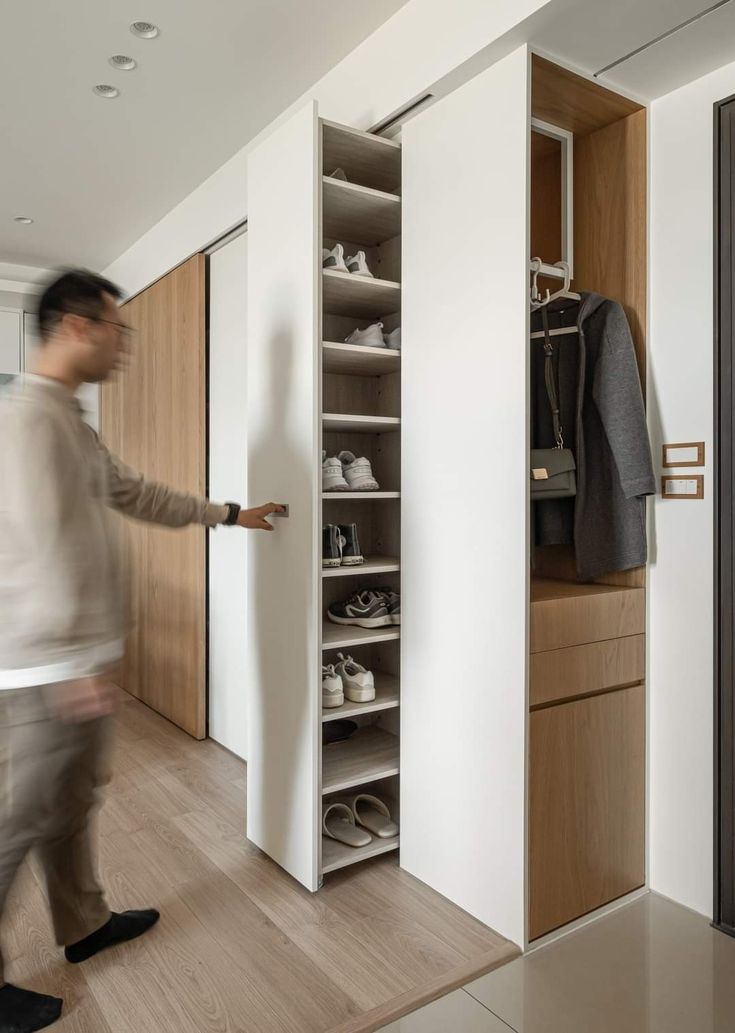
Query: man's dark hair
77,291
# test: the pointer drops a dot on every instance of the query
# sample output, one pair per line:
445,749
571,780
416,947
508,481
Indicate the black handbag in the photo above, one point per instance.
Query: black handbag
553,470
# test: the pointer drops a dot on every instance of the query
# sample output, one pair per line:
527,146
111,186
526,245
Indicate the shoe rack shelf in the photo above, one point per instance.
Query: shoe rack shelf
368,755
351,424
387,697
366,159
352,212
359,496
372,565
359,360
337,855
338,636
360,296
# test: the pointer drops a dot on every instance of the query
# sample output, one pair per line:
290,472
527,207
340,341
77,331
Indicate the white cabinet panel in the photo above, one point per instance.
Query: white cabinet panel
464,481
284,699
11,340
227,480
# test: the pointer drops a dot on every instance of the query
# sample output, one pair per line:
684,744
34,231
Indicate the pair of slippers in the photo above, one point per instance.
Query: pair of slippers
352,820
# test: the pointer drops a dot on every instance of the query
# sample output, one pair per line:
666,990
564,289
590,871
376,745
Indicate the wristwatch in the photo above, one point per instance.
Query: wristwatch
233,514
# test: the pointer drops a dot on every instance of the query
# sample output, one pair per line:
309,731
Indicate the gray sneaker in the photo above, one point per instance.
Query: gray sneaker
392,601
362,610
332,545
351,552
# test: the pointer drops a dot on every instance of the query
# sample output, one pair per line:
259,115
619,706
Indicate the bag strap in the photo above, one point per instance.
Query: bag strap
551,391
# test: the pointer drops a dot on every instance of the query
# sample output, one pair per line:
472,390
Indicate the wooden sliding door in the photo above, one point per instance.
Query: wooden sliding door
153,417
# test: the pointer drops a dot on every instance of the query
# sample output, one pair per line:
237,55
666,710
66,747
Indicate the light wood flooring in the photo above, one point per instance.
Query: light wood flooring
240,946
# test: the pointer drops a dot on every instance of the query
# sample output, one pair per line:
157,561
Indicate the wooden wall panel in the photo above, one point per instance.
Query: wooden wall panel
153,417
586,806
572,102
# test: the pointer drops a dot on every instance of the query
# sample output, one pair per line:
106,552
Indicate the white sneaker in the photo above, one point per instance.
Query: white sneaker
358,682
357,265
358,473
333,478
332,689
370,338
334,259
393,339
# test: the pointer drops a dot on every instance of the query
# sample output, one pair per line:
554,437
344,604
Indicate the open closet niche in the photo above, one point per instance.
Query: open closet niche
586,831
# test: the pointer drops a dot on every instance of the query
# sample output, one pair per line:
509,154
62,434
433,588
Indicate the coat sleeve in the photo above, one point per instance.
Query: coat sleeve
617,393
153,502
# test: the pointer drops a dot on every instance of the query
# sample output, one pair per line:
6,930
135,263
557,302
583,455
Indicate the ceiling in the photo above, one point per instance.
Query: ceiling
95,174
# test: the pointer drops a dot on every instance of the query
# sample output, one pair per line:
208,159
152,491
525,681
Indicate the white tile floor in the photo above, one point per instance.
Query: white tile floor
651,967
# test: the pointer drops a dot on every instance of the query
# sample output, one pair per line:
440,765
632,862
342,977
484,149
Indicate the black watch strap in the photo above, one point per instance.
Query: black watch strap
233,514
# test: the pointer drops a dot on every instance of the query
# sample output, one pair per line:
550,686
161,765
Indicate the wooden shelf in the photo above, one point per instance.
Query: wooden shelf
387,697
337,855
358,496
343,636
367,159
353,212
359,360
368,755
349,424
359,296
372,565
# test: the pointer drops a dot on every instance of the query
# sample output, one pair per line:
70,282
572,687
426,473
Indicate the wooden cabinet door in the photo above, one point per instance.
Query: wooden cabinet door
587,792
153,416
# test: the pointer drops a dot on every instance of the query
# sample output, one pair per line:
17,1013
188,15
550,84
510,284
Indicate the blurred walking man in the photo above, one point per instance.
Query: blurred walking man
61,620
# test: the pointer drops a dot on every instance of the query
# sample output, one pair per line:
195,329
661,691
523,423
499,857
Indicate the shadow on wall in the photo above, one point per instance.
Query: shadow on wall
279,464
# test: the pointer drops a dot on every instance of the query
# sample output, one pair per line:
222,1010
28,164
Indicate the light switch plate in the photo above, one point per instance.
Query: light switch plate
684,453
683,487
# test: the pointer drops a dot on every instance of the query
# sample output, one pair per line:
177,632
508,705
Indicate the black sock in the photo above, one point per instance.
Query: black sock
23,1011
118,929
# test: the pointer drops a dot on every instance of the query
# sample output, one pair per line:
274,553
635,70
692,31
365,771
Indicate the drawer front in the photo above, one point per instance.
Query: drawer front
576,619
578,670
586,806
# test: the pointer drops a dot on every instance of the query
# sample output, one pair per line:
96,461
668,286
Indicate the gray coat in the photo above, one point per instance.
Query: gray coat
604,424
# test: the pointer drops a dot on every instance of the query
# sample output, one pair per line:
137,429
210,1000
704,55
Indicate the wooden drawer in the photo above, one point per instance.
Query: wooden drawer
586,806
567,614
561,674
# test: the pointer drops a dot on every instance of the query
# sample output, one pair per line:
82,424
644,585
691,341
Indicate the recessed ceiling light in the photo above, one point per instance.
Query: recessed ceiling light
107,91
144,30
23,220
123,63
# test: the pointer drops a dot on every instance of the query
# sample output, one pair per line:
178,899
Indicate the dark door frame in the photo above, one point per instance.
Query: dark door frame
724,536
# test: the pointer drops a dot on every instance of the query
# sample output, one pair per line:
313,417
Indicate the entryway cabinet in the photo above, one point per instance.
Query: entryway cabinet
504,793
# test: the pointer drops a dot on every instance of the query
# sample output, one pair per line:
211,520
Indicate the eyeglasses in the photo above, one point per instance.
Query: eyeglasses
125,330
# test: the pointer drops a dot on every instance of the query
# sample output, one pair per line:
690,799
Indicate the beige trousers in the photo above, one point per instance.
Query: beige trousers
50,773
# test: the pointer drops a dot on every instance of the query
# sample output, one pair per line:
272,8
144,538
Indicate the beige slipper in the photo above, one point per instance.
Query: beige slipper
338,822
372,814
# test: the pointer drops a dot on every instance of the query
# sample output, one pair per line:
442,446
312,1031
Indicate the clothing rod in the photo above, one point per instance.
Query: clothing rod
548,270
557,332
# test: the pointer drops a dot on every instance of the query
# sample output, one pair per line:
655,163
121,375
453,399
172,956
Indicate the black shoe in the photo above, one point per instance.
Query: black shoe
119,929
331,546
351,552
23,1011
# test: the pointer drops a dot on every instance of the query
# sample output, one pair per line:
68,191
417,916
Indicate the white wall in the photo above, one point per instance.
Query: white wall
422,43
228,458
681,409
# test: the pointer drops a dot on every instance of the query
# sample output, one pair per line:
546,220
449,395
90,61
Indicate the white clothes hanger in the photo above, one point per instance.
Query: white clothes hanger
559,269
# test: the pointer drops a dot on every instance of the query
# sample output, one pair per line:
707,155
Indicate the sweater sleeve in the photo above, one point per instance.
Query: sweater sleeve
155,503
617,393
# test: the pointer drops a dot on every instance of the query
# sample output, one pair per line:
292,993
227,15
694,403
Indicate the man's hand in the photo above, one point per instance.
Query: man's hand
255,518
81,700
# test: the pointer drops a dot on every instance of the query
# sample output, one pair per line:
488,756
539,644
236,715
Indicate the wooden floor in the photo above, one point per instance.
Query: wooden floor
240,946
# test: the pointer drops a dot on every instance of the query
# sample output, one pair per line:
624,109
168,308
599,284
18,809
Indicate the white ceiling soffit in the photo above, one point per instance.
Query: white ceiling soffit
592,34
95,174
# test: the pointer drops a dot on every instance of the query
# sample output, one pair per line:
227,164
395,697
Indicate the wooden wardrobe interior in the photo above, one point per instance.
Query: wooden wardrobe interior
153,417
587,698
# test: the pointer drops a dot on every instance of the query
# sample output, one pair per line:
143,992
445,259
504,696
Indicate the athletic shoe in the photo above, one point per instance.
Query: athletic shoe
338,174
358,473
332,689
362,610
332,545
393,339
351,553
334,259
333,478
357,265
370,338
392,601
358,682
